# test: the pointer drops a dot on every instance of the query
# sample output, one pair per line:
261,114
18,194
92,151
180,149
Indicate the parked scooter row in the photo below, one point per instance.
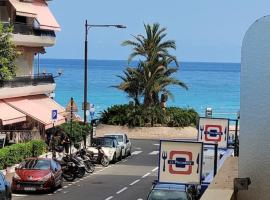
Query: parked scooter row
77,164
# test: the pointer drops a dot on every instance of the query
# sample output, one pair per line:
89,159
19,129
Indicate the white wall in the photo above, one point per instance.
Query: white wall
255,111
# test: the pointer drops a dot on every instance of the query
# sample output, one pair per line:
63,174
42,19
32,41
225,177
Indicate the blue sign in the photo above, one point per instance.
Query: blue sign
54,115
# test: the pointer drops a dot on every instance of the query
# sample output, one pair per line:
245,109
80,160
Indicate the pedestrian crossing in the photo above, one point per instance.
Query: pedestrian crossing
152,153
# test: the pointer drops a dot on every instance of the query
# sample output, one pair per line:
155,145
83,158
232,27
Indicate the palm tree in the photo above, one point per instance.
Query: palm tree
153,73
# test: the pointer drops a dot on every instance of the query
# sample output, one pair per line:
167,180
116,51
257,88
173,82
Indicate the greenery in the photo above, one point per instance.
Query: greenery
79,130
16,153
150,79
134,115
7,54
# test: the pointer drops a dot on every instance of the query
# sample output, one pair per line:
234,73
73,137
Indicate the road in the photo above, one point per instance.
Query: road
129,179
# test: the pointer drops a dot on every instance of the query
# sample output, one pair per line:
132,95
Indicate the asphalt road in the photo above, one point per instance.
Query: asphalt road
129,179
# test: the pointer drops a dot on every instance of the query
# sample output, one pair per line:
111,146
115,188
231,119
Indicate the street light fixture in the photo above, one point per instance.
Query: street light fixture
85,103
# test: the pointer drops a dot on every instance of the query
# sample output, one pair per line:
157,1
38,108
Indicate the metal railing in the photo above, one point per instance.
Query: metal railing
33,80
24,29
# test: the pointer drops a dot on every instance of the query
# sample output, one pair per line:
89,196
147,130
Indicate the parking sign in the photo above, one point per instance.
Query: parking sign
180,162
214,130
54,115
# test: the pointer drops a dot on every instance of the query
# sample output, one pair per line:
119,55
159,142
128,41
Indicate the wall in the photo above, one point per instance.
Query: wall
255,110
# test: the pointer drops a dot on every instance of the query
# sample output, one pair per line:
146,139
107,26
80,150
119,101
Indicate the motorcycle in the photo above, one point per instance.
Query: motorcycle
79,165
99,158
68,170
89,165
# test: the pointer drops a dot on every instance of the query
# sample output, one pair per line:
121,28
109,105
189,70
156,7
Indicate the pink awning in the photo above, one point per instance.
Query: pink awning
38,107
9,115
39,10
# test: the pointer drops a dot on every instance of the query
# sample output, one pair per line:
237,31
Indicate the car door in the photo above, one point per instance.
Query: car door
128,143
57,172
117,148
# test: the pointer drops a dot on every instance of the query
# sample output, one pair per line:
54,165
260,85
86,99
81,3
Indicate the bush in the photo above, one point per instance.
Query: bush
79,130
133,115
16,153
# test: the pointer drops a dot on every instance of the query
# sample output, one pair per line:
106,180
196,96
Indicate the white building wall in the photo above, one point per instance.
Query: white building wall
255,111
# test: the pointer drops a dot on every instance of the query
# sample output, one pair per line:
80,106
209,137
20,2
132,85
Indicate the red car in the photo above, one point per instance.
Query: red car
37,174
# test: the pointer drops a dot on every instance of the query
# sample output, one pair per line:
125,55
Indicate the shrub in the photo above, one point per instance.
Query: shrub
78,132
16,153
134,115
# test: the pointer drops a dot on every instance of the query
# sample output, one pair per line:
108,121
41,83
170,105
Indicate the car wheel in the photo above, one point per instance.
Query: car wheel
114,158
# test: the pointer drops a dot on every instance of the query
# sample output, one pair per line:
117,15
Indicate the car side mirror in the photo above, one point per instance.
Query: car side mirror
127,140
55,170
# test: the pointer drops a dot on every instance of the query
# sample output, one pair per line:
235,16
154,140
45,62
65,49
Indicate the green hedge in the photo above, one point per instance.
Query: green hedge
16,153
140,116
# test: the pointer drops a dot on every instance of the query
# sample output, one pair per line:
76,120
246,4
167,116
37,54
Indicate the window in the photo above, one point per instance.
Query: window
20,19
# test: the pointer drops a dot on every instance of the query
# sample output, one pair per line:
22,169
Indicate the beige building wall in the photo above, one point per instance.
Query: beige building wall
24,63
255,111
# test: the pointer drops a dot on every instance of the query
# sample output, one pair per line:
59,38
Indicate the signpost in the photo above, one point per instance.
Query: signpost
214,130
180,162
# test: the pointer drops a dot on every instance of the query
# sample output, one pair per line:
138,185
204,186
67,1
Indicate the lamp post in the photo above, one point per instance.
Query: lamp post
85,103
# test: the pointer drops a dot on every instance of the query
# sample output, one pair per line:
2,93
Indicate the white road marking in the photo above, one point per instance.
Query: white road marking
136,152
109,198
60,190
19,195
50,194
122,190
154,153
65,186
156,144
146,175
134,182
137,148
155,169
139,199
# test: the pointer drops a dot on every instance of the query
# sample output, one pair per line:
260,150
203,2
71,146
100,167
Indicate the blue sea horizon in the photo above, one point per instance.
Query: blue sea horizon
215,85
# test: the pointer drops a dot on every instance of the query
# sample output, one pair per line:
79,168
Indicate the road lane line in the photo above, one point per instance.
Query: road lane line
109,198
136,152
139,199
156,144
154,153
155,169
146,175
134,182
122,190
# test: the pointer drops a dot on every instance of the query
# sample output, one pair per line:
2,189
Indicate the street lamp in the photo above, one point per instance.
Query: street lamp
85,103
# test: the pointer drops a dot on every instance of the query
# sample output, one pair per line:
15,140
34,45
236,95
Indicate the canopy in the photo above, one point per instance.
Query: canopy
9,115
38,107
39,10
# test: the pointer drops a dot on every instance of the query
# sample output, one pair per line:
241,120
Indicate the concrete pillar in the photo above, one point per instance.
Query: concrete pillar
255,111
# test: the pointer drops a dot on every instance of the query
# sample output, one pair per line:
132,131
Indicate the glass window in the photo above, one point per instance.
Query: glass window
167,195
35,164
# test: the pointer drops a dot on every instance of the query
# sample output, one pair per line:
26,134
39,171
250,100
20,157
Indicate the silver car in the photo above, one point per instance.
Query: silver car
5,189
123,140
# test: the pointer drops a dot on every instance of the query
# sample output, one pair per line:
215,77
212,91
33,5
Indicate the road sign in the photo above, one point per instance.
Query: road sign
180,162
214,130
54,115
74,107
92,111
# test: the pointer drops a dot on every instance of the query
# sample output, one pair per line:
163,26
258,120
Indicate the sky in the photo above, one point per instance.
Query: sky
204,30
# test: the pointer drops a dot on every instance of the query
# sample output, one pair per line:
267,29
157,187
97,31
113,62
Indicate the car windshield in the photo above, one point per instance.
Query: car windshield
35,164
167,195
119,138
104,142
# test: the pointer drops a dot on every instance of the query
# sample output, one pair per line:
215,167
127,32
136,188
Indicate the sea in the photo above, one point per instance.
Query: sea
210,85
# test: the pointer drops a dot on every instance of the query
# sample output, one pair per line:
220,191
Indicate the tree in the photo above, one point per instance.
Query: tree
152,76
7,54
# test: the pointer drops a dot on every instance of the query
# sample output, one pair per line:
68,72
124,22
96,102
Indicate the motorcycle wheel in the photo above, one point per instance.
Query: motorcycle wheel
89,167
81,172
69,176
104,162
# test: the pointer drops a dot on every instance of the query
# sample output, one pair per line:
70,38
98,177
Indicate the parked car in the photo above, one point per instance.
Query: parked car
110,147
123,140
162,191
37,174
5,189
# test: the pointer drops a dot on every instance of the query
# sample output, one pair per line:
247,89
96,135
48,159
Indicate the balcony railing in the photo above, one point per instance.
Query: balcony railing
42,79
24,29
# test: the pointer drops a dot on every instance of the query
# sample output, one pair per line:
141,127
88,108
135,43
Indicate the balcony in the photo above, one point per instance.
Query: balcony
27,85
25,35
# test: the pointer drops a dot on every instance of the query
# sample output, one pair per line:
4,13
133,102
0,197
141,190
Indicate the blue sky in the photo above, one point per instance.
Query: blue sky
204,30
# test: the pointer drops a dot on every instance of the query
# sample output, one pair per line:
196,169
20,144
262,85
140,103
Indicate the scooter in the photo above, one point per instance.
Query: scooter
99,158
89,164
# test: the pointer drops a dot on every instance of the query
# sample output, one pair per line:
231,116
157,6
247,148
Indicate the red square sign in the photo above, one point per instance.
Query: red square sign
213,133
179,162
